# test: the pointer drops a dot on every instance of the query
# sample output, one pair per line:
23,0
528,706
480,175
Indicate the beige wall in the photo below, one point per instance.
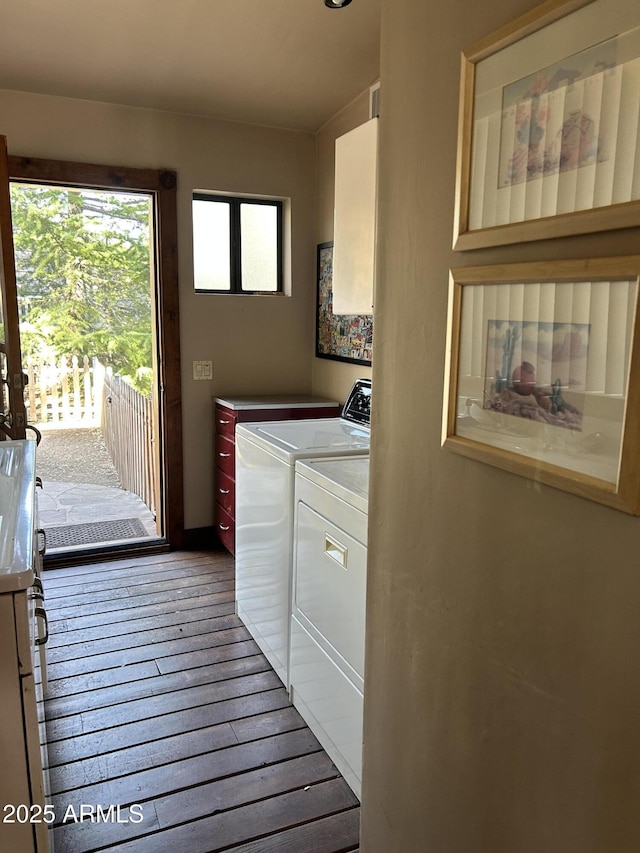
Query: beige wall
503,699
257,344
334,378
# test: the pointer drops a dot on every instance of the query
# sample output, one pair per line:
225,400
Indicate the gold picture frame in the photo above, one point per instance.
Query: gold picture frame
543,374
549,130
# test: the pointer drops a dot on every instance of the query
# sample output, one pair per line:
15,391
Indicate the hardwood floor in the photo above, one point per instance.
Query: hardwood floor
162,707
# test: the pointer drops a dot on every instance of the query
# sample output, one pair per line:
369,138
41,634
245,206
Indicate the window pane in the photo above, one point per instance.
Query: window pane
259,240
211,254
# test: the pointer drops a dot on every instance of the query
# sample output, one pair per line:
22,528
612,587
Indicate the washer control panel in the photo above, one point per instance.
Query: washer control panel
357,409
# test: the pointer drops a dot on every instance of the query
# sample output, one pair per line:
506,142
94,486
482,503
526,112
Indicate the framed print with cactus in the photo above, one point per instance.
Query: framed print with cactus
543,373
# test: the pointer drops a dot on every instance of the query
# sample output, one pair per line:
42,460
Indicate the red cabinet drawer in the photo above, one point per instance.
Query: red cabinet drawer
226,492
225,420
225,528
226,455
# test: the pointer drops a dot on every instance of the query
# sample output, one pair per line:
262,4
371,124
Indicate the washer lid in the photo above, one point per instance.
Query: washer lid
325,436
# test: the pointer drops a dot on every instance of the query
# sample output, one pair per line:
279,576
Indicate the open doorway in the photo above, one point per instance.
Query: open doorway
97,297
86,302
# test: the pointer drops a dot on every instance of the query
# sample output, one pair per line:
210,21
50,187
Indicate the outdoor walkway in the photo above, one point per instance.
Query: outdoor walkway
75,455
81,492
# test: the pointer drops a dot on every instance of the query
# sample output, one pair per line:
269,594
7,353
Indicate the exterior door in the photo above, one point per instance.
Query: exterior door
12,408
161,184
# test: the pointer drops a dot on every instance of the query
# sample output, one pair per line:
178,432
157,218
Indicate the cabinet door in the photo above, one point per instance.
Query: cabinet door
355,220
34,755
15,836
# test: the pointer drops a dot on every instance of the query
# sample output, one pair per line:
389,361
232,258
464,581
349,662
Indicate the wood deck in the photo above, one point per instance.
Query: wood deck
160,699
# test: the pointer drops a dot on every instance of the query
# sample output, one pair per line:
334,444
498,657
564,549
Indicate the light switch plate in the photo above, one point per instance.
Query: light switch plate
203,370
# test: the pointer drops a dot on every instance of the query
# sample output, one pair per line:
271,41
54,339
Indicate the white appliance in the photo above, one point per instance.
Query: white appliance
328,607
266,454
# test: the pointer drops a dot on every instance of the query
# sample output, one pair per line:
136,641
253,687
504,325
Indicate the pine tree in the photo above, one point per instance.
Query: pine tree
83,268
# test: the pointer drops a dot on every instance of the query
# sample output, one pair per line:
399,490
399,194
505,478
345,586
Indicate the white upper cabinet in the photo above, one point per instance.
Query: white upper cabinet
355,220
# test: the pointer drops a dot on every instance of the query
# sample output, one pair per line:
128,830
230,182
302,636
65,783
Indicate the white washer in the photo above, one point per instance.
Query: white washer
266,454
329,604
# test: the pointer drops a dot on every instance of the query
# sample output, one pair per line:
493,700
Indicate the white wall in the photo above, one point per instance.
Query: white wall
257,344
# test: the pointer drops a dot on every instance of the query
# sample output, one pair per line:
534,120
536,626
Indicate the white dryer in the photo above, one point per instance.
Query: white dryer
266,454
329,605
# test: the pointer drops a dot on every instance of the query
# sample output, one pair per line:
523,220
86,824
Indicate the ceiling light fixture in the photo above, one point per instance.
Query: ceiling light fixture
336,4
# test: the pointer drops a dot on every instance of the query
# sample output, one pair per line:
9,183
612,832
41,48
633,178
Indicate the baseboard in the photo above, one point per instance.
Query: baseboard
202,539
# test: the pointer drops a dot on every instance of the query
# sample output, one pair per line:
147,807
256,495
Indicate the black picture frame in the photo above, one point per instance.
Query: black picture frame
340,337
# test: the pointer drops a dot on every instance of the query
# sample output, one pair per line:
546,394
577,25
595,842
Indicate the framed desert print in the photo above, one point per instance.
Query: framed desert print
549,126
341,337
543,374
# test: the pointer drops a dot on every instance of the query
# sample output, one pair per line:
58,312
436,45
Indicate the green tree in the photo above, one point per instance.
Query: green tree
84,277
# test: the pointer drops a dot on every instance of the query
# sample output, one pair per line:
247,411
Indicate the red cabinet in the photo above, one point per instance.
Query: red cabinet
230,411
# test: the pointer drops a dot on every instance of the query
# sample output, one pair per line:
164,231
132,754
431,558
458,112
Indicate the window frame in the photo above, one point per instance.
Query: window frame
235,243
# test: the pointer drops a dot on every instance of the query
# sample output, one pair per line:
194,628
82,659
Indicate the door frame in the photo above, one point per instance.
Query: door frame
161,185
12,385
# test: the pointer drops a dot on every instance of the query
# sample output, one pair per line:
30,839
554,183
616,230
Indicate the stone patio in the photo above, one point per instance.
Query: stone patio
80,484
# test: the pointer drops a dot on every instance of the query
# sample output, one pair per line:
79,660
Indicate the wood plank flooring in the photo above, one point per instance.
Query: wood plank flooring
163,712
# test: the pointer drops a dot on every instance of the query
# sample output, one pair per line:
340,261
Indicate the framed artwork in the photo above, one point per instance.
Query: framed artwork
342,337
549,126
543,374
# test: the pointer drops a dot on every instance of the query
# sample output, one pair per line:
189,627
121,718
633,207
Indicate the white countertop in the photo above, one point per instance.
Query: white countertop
17,510
275,401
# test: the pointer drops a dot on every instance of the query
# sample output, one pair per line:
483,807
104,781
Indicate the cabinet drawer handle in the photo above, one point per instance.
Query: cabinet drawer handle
224,455
222,421
41,532
224,527
41,613
224,491
335,550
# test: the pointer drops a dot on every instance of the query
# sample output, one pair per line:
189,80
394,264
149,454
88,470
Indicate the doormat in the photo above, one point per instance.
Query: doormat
69,535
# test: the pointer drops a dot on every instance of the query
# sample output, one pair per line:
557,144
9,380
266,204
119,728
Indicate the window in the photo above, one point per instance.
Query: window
237,244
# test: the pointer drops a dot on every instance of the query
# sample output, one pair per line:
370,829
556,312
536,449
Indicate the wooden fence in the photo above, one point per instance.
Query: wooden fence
67,392
128,431
83,393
